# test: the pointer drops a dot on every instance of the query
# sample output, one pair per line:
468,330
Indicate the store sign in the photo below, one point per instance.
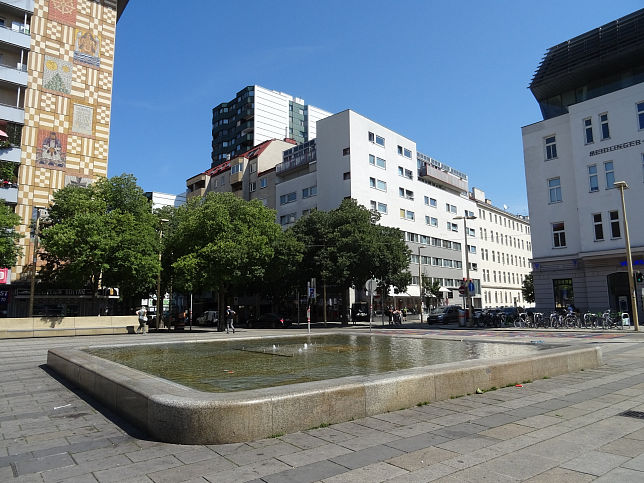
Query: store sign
635,262
4,275
617,147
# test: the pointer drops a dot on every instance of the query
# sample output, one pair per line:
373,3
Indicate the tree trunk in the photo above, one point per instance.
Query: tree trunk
221,307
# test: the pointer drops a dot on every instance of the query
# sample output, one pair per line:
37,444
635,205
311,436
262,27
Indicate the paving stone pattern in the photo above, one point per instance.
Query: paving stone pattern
566,428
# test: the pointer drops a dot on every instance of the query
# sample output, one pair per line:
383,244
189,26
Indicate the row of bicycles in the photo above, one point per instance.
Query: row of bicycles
555,320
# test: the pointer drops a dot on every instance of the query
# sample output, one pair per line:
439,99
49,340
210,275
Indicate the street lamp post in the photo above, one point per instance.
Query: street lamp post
159,300
629,258
468,299
34,263
420,285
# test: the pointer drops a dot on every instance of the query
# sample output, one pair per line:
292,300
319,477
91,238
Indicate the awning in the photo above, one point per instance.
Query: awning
3,134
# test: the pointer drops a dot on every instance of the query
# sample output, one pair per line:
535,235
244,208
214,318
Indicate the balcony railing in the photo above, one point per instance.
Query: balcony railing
12,113
14,74
26,5
16,35
431,172
291,165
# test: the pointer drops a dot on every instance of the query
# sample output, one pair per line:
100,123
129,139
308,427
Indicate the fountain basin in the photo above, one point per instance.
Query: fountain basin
175,413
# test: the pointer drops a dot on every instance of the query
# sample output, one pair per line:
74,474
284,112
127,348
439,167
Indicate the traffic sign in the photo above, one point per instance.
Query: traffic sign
461,289
470,286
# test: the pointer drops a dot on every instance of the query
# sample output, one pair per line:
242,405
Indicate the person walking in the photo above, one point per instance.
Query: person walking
143,318
230,318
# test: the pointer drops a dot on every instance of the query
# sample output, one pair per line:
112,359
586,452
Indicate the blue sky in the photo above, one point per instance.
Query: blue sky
452,76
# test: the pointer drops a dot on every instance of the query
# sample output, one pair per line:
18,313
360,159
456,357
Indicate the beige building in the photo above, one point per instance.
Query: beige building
57,61
251,175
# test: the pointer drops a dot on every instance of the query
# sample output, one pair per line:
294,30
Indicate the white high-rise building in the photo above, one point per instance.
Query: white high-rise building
591,93
257,114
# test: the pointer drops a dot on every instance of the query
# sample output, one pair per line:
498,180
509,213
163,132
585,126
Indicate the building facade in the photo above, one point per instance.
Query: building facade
257,114
591,93
505,251
57,61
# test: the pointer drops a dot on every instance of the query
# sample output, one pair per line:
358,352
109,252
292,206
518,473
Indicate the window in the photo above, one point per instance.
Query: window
263,182
603,123
469,213
471,232
375,161
378,184
252,186
346,151
288,198
640,114
433,202
551,147
287,219
253,167
346,175
450,208
588,130
400,149
431,221
452,226
426,198
610,174
409,174
407,153
374,138
599,227
471,249
401,171
558,235
614,224
407,215
554,187
237,168
593,182
409,195
414,259
563,292
310,191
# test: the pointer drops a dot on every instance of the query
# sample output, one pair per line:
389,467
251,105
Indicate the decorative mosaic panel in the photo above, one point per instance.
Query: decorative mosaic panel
78,181
86,48
82,120
52,148
57,76
63,11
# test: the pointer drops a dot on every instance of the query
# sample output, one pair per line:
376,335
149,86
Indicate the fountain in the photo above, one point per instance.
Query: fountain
242,389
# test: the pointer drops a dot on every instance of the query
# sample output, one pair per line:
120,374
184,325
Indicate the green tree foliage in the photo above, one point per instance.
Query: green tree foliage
527,289
432,288
347,247
105,232
220,242
9,248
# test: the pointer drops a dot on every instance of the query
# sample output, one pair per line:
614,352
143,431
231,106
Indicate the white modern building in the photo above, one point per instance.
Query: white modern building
257,114
382,170
159,200
505,250
591,93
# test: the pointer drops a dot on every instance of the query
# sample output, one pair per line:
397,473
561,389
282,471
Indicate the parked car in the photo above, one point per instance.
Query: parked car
270,321
444,315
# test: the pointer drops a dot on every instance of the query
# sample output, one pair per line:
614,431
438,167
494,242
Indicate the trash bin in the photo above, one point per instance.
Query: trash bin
626,319
461,318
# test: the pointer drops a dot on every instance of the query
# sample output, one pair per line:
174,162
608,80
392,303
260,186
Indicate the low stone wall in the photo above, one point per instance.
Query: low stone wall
177,414
13,328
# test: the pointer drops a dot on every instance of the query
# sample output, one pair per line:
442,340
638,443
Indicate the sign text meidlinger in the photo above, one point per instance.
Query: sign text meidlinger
616,147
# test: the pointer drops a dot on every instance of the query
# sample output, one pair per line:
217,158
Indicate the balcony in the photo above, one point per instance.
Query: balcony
17,35
26,5
10,154
12,113
9,192
431,173
15,75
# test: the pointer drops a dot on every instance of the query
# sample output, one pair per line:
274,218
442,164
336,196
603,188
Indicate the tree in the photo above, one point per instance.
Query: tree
527,288
433,287
348,246
220,242
9,248
105,233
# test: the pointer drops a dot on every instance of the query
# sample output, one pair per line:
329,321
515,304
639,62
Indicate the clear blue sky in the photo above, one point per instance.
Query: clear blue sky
452,76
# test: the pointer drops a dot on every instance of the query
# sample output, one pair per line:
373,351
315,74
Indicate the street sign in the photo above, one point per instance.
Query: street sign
470,286
311,292
461,289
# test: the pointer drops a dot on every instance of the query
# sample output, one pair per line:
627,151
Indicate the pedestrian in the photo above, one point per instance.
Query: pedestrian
143,318
404,314
230,317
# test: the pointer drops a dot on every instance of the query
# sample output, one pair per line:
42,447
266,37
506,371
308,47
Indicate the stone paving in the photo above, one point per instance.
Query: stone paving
567,428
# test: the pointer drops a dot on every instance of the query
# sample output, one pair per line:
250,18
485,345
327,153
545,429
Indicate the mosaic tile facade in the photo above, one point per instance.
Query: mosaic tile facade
67,102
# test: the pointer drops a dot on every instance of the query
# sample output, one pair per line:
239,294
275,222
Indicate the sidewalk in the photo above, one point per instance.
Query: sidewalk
567,428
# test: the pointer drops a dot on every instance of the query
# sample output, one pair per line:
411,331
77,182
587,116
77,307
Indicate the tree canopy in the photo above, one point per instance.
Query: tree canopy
220,241
347,246
9,248
527,289
105,232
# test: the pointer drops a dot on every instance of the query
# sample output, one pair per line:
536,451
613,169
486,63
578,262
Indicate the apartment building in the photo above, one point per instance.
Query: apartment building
382,170
505,251
591,93
249,175
56,65
257,114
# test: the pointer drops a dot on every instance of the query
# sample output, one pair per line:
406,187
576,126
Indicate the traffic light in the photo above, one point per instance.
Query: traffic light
639,277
